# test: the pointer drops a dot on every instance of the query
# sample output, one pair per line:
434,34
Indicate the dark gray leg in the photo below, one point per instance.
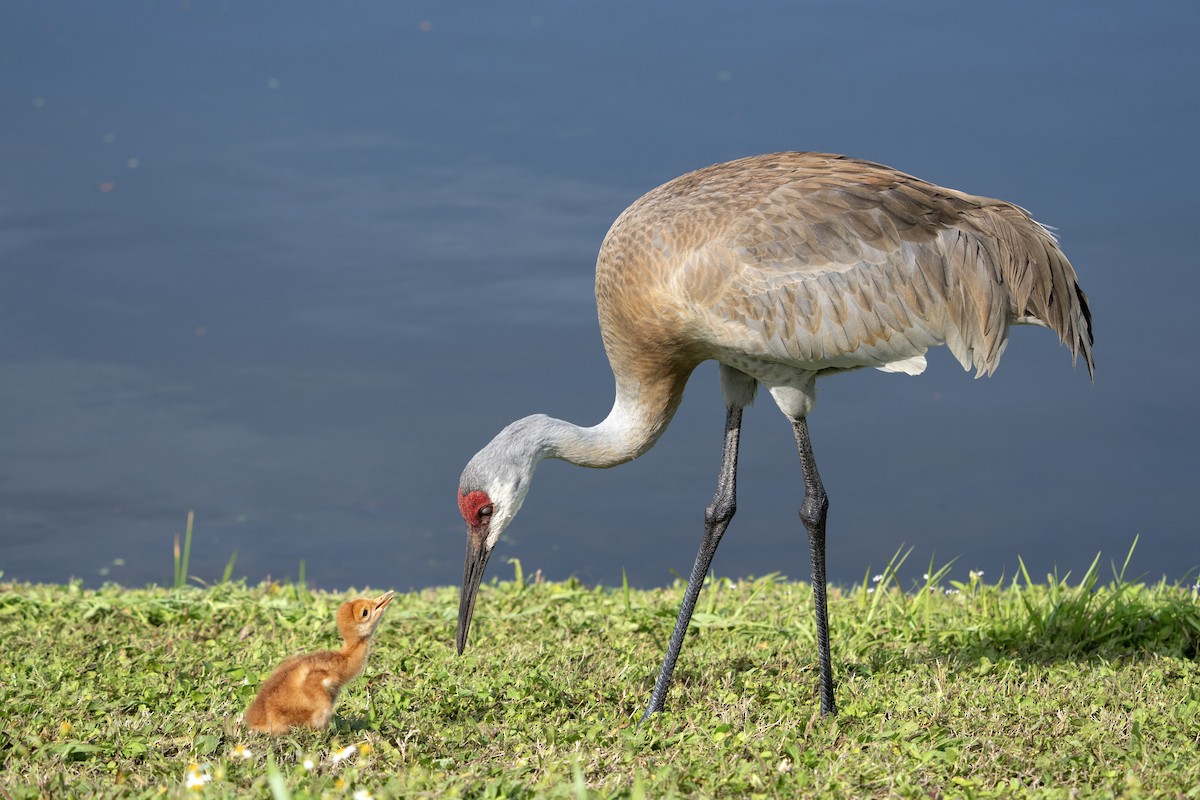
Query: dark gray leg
716,520
812,514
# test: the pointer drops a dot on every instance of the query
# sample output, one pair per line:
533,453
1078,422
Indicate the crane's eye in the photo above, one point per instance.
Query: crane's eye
485,512
366,612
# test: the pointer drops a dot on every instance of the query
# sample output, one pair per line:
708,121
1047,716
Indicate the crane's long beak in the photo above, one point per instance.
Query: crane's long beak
476,561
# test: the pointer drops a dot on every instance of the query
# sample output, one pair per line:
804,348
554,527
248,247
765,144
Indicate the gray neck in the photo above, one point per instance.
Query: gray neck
620,437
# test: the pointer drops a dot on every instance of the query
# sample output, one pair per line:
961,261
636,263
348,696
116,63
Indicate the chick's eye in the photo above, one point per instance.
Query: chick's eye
485,512
365,612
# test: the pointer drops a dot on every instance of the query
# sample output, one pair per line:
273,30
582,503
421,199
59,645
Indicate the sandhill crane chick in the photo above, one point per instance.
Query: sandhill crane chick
302,690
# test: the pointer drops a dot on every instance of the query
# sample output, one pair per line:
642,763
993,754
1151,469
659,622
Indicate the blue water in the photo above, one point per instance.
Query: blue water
290,264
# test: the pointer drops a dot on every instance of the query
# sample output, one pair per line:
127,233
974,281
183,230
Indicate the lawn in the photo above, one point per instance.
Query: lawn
1047,688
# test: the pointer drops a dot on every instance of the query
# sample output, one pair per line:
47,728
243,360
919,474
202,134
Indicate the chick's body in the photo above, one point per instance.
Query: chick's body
302,690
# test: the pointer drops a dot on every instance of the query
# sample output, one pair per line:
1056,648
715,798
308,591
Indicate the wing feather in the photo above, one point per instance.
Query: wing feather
823,262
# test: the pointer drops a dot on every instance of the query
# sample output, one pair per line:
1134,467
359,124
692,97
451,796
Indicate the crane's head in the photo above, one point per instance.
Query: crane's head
490,492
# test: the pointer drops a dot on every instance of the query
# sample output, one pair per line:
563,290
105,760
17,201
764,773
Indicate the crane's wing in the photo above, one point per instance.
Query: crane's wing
852,265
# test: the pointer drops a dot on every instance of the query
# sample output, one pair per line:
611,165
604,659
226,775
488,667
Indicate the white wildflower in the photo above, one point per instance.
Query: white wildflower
877,579
196,777
363,794
343,754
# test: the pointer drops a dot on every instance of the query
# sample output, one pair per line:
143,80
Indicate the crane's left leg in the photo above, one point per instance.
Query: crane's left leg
812,514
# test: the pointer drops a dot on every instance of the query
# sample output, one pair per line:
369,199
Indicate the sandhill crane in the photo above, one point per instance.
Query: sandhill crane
783,268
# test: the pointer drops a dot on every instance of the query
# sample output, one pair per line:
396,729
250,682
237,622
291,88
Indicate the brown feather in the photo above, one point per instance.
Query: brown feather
835,260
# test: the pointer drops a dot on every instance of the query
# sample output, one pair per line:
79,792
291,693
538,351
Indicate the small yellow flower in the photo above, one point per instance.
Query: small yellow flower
364,748
241,751
339,784
65,728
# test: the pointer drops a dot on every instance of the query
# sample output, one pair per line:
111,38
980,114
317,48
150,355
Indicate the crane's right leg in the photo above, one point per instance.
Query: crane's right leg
812,514
716,520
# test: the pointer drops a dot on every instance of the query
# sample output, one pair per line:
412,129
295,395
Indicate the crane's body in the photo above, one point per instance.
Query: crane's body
783,268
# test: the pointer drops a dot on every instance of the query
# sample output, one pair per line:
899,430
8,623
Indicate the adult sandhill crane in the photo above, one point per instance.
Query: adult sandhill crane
783,268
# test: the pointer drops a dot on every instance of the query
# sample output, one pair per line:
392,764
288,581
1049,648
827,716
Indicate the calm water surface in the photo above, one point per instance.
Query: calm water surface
290,265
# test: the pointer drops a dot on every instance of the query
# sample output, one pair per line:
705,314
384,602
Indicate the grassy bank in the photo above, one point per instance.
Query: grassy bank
970,689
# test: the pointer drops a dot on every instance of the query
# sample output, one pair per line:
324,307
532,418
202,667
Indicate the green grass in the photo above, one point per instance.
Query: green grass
1055,689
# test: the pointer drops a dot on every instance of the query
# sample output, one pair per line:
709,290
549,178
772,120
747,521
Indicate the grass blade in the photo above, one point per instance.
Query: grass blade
228,573
181,561
279,789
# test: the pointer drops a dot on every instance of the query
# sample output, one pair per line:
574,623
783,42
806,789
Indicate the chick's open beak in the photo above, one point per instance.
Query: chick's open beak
382,601
473,567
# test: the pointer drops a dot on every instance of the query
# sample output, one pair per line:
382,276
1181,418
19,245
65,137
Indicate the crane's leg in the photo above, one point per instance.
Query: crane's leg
812,514
716,520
